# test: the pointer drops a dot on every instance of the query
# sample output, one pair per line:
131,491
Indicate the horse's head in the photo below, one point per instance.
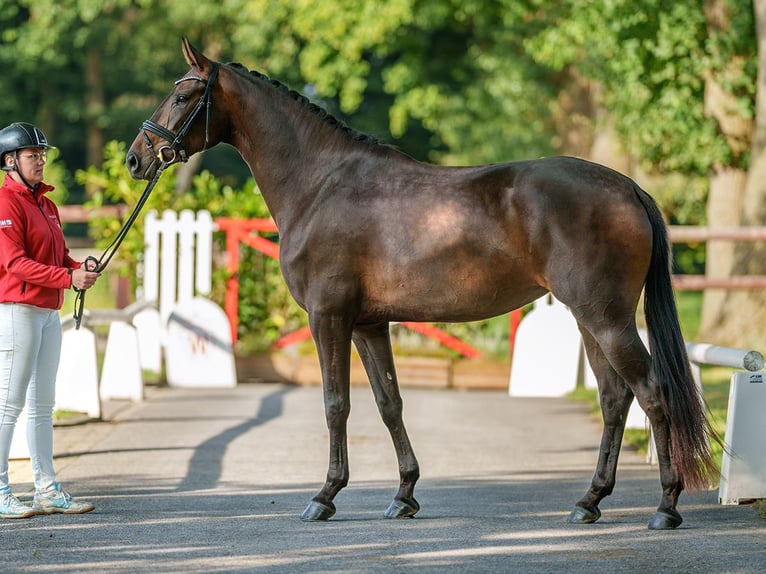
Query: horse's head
183,124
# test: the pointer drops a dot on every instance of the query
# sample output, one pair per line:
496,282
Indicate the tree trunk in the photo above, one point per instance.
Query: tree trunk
573,115
743,313
94,109
606,147
723,311
185,172
723,210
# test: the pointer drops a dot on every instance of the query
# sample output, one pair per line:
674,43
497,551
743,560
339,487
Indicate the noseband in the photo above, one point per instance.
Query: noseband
176,148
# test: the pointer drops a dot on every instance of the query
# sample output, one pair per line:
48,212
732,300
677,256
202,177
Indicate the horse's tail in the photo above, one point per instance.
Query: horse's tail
690,429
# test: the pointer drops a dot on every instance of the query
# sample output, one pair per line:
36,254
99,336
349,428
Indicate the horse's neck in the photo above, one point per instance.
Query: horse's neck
284,144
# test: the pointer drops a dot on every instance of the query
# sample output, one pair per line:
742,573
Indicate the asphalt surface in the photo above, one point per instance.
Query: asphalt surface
215,481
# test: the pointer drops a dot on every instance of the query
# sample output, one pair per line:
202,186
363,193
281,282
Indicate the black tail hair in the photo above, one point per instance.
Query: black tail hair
690,429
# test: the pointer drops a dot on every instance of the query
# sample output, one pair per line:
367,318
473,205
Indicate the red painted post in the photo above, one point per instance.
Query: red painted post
515,320
231,302
238,231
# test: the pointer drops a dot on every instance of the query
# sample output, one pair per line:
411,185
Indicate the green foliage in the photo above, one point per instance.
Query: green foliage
653,57
479,78
266,310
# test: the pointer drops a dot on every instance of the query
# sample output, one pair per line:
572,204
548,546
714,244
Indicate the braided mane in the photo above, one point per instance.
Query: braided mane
308,104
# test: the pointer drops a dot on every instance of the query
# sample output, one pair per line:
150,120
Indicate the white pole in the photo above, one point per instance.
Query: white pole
725,356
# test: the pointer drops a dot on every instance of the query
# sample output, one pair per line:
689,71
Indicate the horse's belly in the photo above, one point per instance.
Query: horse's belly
467,295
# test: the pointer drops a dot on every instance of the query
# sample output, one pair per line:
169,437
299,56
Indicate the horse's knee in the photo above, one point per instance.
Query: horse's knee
390,409
336,410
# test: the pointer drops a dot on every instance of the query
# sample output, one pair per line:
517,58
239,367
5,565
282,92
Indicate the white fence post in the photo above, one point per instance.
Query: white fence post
699,354
149,290
77,376
168,264
178,258
204,263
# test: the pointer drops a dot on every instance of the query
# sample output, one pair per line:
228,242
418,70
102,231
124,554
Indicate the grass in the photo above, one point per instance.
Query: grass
65,415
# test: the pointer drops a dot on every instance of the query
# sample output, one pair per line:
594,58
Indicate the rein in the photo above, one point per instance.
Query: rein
177,150
98,265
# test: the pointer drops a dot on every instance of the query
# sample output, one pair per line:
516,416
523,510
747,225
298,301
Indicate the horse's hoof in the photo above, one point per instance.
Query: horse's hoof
665,521
401,509
317,511
580,515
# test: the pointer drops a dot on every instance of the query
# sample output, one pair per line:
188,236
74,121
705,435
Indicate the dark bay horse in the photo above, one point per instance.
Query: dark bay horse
369,236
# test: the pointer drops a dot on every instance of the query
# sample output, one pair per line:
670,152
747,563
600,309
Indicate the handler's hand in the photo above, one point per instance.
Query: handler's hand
83,279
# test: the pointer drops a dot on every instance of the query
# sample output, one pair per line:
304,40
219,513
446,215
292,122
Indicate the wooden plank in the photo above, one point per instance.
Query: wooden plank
698,234
81,214
701,282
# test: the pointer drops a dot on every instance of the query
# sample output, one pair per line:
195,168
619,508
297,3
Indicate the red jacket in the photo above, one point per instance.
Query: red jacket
35,266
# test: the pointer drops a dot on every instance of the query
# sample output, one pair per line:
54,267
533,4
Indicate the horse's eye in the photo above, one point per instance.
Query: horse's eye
181,99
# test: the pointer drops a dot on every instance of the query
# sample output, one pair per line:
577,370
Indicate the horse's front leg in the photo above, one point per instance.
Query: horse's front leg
374,345
332,335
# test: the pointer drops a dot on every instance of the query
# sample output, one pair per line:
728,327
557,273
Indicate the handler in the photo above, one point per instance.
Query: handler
35,268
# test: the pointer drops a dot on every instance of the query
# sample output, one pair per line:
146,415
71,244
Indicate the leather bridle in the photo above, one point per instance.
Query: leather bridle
175,147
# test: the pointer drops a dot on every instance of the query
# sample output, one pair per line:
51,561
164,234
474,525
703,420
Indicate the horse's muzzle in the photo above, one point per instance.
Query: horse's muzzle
133,163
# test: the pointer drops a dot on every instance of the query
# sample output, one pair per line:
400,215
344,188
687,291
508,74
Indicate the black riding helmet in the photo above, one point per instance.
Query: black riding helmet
20,135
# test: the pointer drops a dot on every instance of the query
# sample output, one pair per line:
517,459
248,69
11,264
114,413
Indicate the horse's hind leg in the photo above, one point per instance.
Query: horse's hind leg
630,360
374,346
615,398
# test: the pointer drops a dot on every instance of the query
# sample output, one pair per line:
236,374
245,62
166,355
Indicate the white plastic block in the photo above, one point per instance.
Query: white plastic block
547,352
743,469
77,377
121,374
199,351
149,332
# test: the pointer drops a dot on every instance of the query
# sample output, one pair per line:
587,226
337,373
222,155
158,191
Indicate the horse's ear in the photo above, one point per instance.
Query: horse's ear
194,57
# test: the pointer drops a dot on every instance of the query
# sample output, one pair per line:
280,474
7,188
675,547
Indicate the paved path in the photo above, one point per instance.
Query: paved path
215,480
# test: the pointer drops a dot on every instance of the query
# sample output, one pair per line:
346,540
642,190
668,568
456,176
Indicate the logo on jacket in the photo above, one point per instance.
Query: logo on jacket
6,223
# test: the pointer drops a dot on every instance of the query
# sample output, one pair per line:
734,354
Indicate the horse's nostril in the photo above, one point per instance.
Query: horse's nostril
131,162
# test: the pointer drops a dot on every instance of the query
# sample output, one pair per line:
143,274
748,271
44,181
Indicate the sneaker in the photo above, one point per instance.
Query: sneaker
57,500
12,507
